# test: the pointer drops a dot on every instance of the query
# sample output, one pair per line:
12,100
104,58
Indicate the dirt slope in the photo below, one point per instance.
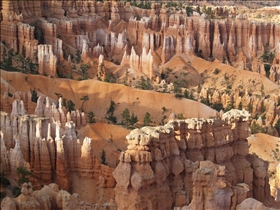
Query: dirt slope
100,93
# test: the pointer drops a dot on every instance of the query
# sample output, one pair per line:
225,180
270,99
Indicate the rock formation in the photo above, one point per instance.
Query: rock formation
142,63
169,165
238,99
49,197
47,60
40,143
85,26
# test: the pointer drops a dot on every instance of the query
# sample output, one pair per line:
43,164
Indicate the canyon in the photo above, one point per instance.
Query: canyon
206,76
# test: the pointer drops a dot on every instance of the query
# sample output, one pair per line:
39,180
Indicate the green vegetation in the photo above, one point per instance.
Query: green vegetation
78,58
34,96
17,62
240,106
70,106
84,99
189,11
110,78
110,112
24,175
250,107
84,71
142,4
267,57
216,71
208,11
180,116
276,154
144,84
91,116
127,119
165,73
217,106
147,119
188,95
177,87
256,128
58,95
16,191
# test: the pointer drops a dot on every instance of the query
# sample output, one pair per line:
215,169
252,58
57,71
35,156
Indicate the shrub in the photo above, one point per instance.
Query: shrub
256,128
216,71
34,96
180,116
24,175
70,106
91,116
217,106
16,191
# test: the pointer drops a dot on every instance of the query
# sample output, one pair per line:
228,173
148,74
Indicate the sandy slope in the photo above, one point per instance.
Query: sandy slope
108,137
182,70
240,79
262,145
100,94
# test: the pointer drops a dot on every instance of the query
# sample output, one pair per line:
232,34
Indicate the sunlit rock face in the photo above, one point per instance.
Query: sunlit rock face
192,163
119,29
46,143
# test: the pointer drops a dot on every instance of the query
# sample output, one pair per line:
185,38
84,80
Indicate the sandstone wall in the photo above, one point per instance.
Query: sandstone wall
200,163
238,41
46,144
50,197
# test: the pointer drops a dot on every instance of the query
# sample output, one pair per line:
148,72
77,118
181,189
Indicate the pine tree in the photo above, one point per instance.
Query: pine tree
147,119
84,99
91,116
126,117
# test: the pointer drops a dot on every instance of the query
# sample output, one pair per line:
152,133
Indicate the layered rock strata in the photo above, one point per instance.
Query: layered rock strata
50,197
238,99
202,164
47,145
96,27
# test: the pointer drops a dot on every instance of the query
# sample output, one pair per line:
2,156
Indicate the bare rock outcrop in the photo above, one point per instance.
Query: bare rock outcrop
177,165
51,151
142,63
49,197
47,60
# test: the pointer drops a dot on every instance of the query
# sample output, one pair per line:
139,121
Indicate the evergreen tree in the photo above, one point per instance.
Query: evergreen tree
84,99
110,112
126,117
133,119
34,96
70,106
91,116
147,119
